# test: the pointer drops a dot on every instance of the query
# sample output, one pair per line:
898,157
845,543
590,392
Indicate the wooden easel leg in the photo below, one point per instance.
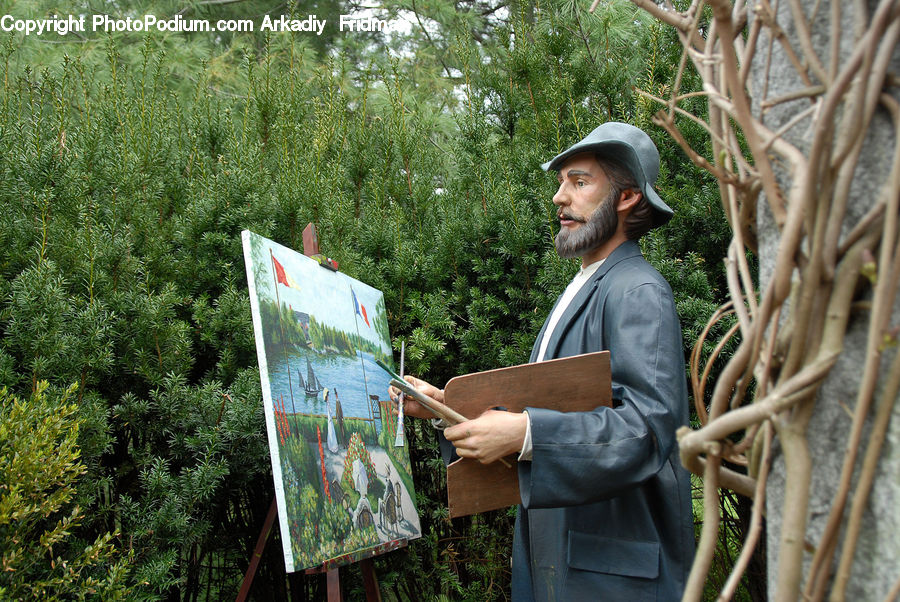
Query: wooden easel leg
368,570
333,579
257,553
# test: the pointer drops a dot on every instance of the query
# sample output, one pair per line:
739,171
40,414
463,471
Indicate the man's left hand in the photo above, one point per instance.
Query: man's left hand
489,437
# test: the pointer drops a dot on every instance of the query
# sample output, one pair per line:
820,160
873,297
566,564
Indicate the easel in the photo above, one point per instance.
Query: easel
330,568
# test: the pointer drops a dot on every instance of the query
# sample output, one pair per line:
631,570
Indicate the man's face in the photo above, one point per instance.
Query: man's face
586,207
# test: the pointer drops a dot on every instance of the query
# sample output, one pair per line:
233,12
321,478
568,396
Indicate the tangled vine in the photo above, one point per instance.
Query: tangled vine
793,327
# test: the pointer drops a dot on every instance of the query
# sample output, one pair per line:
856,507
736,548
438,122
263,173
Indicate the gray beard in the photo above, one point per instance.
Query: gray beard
596,230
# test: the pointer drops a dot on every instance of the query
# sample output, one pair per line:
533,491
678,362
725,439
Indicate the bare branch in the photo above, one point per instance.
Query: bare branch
706,548
793,337
759,501
802,25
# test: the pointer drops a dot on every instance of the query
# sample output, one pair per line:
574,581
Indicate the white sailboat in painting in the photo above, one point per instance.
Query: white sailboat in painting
312,386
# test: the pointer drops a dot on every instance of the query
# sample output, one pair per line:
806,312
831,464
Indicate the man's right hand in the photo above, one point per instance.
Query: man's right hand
410,406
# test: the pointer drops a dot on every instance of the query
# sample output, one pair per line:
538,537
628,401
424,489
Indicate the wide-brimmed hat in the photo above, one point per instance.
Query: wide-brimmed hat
633,148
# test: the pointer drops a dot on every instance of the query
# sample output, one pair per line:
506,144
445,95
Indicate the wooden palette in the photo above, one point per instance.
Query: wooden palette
574,384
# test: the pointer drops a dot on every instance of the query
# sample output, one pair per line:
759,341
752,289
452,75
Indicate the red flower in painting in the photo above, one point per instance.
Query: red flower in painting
284,420
278,423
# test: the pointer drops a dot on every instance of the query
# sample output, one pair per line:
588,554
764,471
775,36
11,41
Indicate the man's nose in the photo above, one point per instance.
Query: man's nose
561,198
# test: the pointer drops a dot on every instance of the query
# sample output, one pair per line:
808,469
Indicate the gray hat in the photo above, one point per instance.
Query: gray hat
631,147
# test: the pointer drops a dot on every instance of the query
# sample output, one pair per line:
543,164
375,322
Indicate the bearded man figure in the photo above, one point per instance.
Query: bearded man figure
606,509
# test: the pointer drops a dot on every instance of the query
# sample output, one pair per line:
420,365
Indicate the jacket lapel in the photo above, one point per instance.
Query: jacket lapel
576,307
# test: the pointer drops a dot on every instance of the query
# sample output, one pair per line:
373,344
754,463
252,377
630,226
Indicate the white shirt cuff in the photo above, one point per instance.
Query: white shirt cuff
525,453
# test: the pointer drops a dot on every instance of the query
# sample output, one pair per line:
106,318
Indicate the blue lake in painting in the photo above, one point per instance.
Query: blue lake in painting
336,372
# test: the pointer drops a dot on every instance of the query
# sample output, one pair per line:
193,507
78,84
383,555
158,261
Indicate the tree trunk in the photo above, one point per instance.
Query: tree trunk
876,562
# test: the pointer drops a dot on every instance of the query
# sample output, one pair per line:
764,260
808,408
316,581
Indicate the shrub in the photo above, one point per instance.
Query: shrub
42,553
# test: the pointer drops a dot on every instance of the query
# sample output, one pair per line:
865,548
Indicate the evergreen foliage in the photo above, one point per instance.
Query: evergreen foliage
41,556
124,192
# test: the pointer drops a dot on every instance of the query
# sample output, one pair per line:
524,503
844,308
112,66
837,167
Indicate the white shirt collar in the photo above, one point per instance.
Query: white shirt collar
588,271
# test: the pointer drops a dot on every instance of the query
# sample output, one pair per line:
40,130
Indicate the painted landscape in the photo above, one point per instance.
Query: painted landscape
344,488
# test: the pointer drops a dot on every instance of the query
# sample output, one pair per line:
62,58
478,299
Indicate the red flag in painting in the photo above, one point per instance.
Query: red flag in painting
281,276
359,308
365,317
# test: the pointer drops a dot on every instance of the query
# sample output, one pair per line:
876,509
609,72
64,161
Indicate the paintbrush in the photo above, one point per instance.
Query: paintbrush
440,410
399,439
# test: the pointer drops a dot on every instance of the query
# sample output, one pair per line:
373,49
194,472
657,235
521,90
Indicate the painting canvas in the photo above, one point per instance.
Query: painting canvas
343,486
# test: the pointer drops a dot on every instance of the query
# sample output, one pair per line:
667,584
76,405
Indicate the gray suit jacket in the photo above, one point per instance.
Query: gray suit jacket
606,509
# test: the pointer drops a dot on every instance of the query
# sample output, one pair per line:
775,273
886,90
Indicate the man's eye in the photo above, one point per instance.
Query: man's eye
581,183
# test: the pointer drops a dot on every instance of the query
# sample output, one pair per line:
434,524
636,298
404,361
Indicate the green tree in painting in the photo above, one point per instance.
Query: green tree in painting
328,338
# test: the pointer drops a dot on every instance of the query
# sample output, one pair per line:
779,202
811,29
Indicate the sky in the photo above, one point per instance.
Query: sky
322,293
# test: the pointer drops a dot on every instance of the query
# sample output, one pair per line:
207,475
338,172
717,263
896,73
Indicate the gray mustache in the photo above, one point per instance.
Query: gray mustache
569,216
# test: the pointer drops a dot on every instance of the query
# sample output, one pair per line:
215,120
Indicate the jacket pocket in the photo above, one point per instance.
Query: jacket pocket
623,557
